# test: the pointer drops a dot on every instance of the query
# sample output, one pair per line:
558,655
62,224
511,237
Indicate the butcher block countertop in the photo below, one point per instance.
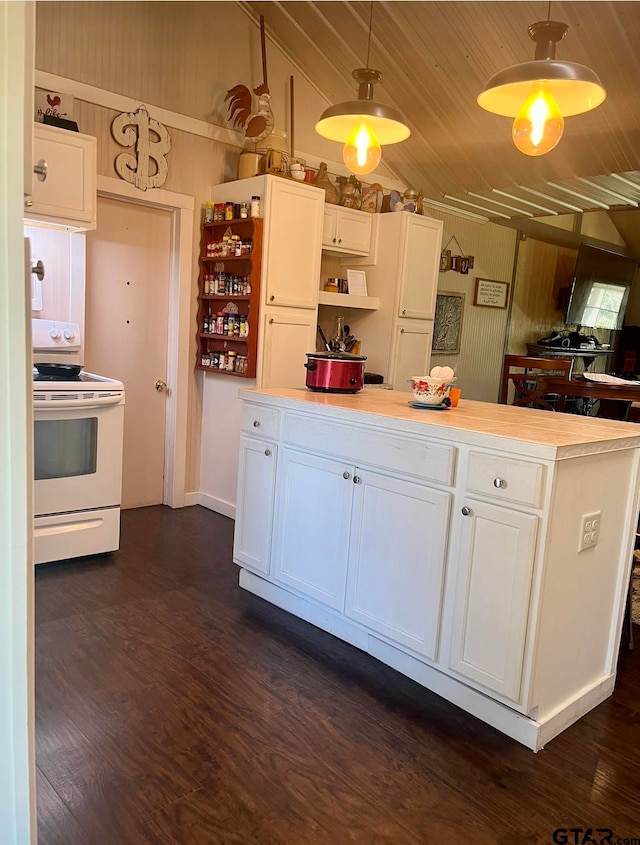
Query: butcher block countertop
545,433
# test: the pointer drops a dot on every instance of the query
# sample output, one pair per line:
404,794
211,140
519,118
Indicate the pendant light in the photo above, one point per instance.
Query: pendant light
541,93
363,125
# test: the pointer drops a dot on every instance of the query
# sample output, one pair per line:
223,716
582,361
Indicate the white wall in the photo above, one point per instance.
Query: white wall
17,791
478,365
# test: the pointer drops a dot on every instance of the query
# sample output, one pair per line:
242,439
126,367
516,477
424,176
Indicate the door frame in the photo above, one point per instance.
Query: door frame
181,207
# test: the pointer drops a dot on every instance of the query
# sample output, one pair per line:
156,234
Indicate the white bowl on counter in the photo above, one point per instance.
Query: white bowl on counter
430,391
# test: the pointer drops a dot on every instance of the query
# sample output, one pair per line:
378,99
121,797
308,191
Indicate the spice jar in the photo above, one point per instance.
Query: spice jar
208,212
228,211
255,206
231,361
244,210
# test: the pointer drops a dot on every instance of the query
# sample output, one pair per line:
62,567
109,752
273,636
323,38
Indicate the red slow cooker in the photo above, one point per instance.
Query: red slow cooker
335,372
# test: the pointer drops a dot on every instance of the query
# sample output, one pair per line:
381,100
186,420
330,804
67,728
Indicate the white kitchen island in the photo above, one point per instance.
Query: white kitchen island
483,550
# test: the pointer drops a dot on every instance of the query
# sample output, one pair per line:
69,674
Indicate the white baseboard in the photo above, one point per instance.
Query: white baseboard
191,499
217,505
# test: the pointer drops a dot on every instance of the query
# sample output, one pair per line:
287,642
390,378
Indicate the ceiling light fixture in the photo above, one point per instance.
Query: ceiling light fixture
541,93
363,125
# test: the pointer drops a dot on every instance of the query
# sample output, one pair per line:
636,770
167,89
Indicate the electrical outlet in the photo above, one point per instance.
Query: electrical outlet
589,531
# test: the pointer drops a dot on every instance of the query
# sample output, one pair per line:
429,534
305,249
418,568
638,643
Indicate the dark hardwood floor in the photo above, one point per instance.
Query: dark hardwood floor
173,708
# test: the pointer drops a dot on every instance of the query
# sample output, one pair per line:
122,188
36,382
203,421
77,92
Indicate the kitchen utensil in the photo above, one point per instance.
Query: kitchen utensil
61,371
325,342
335,372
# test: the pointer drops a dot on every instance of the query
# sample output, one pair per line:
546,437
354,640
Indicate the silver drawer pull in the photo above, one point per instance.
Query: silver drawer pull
346,476
357,479
267,452
256,423
499,482
466,511
40,169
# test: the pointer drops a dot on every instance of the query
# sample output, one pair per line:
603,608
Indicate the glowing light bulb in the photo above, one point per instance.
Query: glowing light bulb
539,125
362,153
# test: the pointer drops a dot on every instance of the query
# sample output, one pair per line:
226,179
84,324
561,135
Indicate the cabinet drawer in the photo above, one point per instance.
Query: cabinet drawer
421,459
506,479
260,420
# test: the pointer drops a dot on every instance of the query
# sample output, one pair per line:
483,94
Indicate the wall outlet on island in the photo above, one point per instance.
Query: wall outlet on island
589,530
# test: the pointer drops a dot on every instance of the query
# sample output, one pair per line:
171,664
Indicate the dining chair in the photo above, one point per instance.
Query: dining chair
521,370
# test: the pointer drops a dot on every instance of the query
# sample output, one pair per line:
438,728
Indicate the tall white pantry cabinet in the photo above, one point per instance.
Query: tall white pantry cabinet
396,333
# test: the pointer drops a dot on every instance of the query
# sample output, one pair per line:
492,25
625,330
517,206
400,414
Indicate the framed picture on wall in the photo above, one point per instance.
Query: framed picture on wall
447,325
491,294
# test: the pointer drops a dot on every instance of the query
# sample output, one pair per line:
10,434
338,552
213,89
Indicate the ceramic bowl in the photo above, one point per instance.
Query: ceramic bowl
429,391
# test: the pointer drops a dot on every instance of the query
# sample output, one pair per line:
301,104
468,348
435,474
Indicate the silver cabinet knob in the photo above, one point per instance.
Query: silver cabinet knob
499,482
357,479
466,511
404,310
40,169
346,475
339,240
256,423
271,321
267,452
272,297
334,240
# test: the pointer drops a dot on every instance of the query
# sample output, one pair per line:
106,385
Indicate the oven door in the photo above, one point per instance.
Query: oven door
77,457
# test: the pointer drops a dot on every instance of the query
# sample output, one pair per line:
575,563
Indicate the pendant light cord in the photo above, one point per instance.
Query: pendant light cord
549,10
369,39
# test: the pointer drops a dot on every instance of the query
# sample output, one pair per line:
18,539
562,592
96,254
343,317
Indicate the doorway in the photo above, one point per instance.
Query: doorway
131,227
126,336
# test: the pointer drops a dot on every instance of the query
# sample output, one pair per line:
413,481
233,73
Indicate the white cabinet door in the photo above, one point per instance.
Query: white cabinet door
412,353
346,230
64,193
254,514
491,605
419,266
293,245
397,559
311,532
287,335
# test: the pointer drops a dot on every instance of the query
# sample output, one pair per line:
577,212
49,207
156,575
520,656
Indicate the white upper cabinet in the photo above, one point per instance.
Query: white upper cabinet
292,243
419,262
346,231
65,179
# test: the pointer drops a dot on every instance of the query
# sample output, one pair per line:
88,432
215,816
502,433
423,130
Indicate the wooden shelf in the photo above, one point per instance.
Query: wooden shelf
233,338
227,298
218,223
346,300
247,305
214,260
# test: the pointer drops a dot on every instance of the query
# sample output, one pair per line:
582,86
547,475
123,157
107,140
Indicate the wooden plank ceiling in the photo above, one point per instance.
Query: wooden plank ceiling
436,57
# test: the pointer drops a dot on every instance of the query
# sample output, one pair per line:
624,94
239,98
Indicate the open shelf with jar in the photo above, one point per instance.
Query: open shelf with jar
229,297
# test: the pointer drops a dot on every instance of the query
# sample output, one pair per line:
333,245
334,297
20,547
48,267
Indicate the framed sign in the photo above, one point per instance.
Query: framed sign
357,282
447,325
491,294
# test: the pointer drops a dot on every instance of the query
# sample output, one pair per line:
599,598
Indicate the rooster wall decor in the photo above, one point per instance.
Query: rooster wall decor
257,125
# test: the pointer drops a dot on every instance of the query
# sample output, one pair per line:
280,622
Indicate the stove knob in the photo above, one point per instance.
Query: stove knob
68,334
54,334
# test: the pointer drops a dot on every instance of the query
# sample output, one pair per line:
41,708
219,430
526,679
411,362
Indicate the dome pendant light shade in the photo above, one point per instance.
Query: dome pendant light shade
363,118
566,88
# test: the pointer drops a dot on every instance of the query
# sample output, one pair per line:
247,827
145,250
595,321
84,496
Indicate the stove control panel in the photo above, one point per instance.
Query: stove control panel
48,335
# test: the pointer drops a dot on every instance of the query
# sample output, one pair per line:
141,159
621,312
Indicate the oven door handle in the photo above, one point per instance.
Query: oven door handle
51,405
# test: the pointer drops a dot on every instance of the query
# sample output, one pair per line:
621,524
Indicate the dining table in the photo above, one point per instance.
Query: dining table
615,398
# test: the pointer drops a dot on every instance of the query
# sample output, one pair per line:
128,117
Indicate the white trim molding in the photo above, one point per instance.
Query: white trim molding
121,103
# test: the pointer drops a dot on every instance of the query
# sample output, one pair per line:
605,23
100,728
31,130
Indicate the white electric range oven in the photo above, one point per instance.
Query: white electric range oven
78,437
